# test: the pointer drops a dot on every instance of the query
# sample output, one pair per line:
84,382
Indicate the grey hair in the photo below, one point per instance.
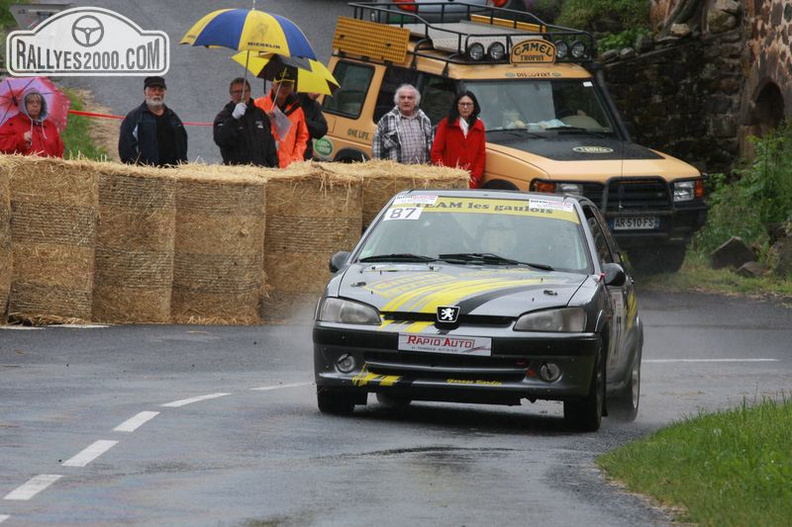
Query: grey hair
407,87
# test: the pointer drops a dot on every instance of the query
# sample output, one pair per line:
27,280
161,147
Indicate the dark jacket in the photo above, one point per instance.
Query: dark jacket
317,124
245,141
138,144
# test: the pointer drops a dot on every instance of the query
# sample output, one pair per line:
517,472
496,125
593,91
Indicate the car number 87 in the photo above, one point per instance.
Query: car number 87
403,213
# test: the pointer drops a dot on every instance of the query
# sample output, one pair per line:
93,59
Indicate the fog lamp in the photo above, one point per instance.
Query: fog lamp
562,49
476,51
496,51
345,363
578,50
550,372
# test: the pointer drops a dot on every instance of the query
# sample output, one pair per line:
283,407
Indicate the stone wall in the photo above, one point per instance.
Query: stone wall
716,72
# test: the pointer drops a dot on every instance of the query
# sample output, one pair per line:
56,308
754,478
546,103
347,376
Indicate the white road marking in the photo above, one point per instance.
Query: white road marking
709,360
32,487
279,386
90,453
132,424
4,517
183,402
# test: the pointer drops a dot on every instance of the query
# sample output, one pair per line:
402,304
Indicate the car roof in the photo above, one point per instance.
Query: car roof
493,194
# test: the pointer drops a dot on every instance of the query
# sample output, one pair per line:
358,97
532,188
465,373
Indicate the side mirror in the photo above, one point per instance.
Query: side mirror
338,260
614,274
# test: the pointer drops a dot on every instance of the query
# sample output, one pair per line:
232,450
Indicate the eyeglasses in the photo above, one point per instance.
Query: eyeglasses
465,104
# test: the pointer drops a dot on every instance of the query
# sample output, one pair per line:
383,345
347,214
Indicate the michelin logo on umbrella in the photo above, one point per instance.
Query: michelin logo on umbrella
87,41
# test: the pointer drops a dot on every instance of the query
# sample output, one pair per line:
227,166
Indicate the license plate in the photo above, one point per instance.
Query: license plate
481,346
636,223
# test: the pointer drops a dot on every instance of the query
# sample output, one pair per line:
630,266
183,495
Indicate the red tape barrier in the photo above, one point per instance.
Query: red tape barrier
107,116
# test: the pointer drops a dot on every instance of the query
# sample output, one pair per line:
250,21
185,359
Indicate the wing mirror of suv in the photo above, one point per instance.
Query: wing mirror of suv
614,274
338,260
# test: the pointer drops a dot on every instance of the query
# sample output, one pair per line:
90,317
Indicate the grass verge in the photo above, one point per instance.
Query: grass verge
78,136
727,469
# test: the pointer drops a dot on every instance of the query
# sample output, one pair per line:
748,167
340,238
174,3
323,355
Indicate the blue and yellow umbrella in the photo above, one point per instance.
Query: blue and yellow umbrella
250,30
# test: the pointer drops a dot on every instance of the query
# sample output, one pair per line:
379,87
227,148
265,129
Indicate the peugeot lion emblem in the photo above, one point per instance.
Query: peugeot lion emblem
447,314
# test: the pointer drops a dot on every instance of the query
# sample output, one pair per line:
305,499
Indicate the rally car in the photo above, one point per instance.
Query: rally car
486,296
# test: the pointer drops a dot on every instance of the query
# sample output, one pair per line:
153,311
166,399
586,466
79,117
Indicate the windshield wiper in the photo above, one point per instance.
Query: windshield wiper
398,257
488,259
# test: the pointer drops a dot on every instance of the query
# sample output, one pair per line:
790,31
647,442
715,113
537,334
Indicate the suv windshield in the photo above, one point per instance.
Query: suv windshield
541,105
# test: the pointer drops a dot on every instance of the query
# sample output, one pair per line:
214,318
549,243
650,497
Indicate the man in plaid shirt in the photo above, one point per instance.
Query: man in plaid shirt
405,133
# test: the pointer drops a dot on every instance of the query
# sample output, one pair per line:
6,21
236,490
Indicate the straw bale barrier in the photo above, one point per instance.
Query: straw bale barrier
217,270
311,213
5,239
53,229
383,179
134,246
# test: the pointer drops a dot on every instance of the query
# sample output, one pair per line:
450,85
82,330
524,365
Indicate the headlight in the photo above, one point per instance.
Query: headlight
570,188
688,190
578,50
496,51
562,49
343,311
566,320
476,51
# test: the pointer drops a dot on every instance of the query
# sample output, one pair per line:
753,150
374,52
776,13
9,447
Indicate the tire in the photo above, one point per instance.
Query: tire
393,401
624,405
499,184
585,415
335,403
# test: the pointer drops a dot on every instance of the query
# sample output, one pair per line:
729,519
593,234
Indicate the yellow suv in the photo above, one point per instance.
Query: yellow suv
551,124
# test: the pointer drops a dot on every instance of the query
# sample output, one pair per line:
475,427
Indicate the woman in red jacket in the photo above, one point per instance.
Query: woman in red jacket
30,132
460,139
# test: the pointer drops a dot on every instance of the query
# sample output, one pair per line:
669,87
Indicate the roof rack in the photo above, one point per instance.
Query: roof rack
478,34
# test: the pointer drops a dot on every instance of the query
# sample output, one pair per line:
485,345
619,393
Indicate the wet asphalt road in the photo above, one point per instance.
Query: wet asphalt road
217,426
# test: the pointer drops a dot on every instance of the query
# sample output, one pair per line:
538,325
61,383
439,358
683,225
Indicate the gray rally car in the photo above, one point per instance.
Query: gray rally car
482,297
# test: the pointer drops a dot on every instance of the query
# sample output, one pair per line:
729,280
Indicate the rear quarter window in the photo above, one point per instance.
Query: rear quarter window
355,81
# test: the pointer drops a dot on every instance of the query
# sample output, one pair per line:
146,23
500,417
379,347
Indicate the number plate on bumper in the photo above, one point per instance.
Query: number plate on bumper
636,223
481,346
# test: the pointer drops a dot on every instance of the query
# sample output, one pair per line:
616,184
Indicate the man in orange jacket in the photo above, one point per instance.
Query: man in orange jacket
287,119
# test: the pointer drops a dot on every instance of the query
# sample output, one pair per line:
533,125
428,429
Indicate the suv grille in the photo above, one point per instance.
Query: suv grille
623,194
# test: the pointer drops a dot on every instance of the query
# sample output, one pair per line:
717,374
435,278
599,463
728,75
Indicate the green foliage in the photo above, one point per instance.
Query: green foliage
583,13
621,40
6,18
725,469
76,137
761,193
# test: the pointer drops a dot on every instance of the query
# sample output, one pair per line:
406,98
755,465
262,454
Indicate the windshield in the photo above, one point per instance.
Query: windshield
541,105
479,231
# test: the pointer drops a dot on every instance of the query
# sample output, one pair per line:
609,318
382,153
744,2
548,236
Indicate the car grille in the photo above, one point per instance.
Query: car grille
630,194
443,367
464,320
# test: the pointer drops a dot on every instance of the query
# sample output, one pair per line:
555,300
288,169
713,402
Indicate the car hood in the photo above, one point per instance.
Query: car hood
574,147
491,291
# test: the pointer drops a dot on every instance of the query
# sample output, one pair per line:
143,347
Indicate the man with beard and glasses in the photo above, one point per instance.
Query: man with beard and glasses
152,133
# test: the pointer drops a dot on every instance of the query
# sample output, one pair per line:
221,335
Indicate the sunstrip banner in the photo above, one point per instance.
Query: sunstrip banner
87,41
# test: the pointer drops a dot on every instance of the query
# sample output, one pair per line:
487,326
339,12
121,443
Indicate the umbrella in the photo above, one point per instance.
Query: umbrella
250,30
312,76
13,89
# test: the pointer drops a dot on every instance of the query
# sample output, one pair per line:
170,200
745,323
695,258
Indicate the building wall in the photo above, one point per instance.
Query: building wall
708,82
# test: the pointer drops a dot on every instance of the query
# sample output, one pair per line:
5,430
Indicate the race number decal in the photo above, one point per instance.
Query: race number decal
403,212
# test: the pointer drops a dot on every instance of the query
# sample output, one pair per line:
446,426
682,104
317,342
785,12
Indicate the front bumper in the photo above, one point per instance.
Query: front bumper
511,373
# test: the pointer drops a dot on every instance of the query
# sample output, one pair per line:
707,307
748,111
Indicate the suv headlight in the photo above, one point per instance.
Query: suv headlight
688,190
343,311
566,320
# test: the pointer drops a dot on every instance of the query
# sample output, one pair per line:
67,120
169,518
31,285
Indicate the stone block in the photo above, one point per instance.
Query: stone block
733,253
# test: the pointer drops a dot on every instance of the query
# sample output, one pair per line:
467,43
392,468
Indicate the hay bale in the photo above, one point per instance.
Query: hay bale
381,180
54,208
311,213
217,275
135,241
5,238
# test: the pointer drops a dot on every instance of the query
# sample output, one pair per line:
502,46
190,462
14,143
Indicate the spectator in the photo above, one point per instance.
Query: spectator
404,134
152,133
314,119
287,119
242,130
30,132
460,139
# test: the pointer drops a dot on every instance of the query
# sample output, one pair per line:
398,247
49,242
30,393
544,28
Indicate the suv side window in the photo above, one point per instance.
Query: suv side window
355,80
438,94
393,78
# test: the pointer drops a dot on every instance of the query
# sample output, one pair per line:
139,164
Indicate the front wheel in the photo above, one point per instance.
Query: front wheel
624,405
585,415
335,403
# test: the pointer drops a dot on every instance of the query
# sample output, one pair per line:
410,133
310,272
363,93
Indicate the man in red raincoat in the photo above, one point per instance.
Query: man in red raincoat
289,127
30,132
